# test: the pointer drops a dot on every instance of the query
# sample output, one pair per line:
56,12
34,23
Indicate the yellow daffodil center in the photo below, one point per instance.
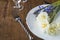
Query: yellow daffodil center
52,30
43,16
44,25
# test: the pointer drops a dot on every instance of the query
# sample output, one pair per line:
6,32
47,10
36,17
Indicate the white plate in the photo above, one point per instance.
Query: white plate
35,28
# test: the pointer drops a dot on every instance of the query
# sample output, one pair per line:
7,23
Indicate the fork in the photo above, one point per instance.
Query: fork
18,19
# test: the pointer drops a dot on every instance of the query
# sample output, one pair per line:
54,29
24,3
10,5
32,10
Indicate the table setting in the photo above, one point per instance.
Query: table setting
42,20
30,21
35,27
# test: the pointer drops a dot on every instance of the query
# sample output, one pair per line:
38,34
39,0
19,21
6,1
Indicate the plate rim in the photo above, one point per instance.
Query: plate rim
27,17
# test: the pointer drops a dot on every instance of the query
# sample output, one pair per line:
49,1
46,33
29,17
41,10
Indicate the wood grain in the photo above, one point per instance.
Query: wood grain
9,28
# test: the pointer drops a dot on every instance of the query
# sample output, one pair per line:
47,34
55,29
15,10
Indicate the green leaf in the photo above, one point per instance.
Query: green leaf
54,13
55,10
56,3
58,0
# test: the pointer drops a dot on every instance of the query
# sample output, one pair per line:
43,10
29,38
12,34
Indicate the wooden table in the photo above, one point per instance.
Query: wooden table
9,28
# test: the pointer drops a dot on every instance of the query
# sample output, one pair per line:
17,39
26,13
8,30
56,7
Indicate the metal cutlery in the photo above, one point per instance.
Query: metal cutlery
18,19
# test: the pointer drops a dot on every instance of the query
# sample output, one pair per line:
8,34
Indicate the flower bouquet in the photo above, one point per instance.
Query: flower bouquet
46,17
52,10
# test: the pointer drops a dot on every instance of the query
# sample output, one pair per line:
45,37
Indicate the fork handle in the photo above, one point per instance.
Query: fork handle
19,20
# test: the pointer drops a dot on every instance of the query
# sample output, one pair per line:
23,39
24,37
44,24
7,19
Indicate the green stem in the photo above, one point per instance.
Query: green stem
55,10
56,3
54,13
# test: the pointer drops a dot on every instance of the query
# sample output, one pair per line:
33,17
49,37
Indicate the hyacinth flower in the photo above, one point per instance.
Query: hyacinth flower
48,9
52,10
38,11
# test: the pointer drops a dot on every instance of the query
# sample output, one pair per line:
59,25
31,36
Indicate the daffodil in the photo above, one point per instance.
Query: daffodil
42,16
52,30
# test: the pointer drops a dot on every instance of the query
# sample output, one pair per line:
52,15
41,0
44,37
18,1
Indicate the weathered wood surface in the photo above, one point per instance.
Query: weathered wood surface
9,28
